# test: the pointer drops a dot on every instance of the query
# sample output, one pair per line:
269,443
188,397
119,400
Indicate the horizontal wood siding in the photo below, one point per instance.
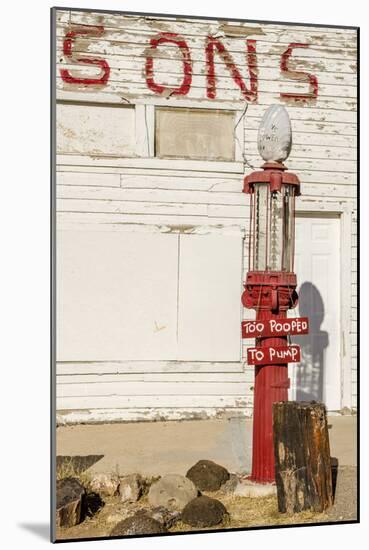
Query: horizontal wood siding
138,192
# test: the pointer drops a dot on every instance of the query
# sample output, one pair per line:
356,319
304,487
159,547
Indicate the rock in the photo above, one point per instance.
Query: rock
139,524
70,502
148,481
167,517
105,485
230,485
115,518
247,488
172,491
162,515
131,488
207,475
203,512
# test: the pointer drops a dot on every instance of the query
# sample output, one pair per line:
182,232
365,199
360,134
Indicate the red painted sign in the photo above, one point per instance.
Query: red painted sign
275,327
213,46
273,355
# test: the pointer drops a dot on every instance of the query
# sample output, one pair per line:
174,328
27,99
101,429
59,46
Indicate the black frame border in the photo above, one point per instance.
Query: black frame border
53,12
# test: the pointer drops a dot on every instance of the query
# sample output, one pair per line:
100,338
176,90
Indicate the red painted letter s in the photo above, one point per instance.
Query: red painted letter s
68,53
298,75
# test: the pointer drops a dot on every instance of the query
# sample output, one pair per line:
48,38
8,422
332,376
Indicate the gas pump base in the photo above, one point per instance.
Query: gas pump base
271,294
251,489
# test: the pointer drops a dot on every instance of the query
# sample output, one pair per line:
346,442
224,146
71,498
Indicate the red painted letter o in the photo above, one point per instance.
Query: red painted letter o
171,38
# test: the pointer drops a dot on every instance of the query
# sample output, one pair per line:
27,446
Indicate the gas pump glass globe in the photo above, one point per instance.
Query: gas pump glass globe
275,134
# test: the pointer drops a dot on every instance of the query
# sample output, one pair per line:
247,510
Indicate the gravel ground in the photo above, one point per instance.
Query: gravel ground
244,512
345,503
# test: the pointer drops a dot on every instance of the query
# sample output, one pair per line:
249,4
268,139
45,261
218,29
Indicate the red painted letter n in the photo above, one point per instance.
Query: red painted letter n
212,44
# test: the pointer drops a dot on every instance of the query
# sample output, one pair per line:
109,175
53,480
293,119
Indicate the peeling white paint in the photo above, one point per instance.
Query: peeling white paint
113,183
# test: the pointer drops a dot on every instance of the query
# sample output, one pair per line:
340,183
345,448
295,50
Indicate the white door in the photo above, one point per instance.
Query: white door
317,265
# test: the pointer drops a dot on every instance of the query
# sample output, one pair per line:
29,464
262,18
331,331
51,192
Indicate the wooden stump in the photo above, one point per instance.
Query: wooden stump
70,496
302,456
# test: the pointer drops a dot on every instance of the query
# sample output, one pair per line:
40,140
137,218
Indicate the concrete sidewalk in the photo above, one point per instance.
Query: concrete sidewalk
157,448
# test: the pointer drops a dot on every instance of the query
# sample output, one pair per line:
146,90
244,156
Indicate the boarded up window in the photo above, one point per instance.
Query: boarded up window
140,296
95,130
206,134
117,295
209,313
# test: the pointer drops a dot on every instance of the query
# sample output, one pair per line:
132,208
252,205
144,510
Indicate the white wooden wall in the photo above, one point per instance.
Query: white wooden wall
110,182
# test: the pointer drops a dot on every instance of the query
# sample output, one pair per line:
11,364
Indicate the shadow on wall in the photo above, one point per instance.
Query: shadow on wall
310,372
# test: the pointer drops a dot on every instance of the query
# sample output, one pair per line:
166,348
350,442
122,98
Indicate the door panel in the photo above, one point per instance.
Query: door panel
317,265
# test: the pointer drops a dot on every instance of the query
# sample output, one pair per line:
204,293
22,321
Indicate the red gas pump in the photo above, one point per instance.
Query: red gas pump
270,286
